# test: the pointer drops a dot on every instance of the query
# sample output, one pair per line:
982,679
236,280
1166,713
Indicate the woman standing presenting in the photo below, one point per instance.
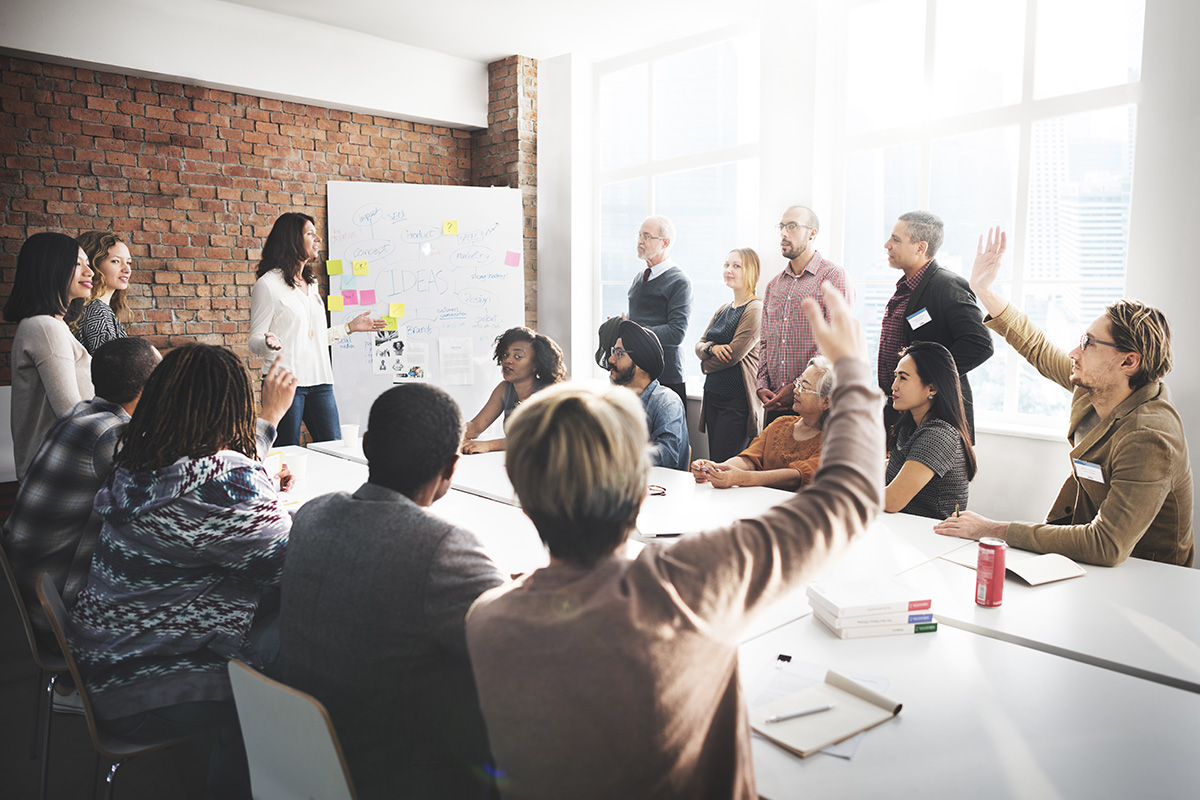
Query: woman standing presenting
51,372
105,308
287,317
731,409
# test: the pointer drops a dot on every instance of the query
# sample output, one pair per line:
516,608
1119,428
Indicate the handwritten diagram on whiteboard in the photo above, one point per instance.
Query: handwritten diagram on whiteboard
442,265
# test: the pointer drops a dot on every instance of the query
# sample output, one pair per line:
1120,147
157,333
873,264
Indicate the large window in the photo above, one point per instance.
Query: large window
678,137
987,116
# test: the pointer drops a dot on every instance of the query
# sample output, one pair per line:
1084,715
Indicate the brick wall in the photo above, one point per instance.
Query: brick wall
506,153
195,177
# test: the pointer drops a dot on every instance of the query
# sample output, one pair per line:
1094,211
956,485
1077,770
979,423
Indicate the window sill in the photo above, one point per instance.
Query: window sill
1020,431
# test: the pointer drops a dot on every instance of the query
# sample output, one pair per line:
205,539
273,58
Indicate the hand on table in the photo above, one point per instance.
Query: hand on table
474,446
700,469
969,525
725,477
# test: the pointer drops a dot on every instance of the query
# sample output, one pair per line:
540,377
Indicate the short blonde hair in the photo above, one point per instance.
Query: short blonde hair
578,458
1142,329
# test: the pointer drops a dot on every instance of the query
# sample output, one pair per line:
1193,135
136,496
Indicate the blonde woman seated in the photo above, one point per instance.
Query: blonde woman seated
786,455
529,362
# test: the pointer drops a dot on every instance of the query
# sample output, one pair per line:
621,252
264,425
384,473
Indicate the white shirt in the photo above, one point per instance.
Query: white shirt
297,317
658,269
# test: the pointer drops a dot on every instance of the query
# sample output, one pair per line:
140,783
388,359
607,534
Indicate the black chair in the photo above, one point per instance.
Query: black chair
112,747
50,665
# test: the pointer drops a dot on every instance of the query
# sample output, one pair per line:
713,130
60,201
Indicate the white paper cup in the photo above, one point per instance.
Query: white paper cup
349,434
297,463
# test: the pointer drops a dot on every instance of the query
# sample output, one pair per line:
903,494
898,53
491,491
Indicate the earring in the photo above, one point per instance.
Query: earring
930,396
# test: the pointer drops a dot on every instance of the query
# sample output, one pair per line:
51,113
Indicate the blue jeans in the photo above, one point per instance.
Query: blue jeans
316,407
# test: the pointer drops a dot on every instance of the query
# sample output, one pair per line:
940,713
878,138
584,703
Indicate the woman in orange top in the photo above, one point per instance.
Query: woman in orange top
786,455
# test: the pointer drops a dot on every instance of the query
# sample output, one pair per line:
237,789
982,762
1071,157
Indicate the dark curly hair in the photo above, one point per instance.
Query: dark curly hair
547,356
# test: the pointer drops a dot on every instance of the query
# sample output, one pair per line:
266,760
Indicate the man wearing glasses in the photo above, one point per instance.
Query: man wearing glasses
660,298
1131,488
786,341
636,361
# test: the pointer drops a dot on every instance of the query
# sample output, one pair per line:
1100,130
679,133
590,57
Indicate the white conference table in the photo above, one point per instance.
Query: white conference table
984,719
1139,618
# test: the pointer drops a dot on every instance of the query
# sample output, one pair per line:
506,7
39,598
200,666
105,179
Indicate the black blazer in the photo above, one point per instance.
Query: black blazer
956,324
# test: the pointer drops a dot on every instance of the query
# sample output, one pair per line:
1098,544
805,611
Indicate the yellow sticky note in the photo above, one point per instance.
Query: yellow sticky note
336,302
360,267
333,267
396,310
450,227
389,323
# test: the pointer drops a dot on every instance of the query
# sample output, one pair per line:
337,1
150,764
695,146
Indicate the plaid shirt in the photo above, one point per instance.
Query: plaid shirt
53,527
787,341
891,332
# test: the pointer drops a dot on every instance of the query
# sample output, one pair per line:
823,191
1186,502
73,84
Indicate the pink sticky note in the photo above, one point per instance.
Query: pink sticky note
513,259
351,297
367,297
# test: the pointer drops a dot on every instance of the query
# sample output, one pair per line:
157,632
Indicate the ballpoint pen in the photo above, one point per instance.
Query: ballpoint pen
804,713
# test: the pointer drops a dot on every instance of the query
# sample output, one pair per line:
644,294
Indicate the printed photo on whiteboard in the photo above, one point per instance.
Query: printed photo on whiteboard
387,353
412,366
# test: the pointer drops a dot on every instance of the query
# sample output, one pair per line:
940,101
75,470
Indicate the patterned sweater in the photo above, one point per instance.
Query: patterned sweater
184,557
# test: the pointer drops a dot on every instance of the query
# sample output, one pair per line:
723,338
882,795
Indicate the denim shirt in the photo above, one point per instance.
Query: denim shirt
668,426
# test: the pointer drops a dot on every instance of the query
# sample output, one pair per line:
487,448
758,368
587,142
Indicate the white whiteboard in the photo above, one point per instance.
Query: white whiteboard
462,285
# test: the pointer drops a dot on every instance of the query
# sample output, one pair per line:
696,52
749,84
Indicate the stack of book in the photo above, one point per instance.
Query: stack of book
886,607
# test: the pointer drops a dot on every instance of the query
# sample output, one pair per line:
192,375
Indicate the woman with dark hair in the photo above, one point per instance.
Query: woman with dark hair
105,308
731,409
287,317
787,454
51,372
529,362
192,542
930,461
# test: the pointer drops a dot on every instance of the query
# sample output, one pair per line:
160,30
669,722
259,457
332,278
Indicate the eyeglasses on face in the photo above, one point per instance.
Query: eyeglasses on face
790,227
645,237
1087,340
616,352
803,387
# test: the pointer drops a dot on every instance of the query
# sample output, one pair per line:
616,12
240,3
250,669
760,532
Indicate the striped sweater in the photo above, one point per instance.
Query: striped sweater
185,555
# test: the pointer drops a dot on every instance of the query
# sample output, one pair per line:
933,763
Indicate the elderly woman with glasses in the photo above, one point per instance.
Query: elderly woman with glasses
786,455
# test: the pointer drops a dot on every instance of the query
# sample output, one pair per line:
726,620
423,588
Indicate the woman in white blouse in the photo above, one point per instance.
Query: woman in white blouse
51,371
287,316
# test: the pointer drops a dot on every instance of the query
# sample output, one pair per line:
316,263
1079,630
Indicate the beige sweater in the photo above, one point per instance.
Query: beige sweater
621,681
51,372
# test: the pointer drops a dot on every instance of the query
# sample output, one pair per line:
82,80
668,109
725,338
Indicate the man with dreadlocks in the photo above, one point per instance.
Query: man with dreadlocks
192,542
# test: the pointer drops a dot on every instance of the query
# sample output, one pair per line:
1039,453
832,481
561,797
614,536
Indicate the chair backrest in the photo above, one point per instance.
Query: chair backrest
46,660
52,602
290,741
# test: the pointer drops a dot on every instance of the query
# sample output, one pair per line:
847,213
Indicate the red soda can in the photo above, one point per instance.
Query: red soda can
989,572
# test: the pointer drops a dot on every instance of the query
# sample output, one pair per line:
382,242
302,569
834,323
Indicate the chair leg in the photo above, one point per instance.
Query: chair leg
37,714
108,781
46,736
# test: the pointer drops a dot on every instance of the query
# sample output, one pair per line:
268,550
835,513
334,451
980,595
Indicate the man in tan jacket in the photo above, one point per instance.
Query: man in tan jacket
1130,492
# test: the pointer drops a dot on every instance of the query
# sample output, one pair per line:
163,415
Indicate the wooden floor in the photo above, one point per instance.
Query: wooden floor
177,773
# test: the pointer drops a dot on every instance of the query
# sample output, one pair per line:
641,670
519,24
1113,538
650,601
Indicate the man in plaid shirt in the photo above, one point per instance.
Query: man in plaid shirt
787,342
53,528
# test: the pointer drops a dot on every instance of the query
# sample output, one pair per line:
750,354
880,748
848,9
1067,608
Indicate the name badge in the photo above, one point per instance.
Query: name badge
1087,471
920,318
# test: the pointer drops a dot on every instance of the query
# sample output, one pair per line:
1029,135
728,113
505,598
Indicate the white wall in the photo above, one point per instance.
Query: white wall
232,47
1163,269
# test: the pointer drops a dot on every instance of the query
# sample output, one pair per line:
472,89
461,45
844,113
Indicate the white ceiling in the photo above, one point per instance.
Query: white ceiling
486,30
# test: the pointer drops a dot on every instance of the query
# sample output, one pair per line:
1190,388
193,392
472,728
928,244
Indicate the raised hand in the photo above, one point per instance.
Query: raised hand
278,391
842,335
988,257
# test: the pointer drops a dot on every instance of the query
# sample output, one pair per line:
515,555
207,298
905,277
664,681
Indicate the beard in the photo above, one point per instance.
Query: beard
621,377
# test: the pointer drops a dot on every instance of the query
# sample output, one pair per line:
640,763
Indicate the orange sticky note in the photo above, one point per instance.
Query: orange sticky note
335,302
